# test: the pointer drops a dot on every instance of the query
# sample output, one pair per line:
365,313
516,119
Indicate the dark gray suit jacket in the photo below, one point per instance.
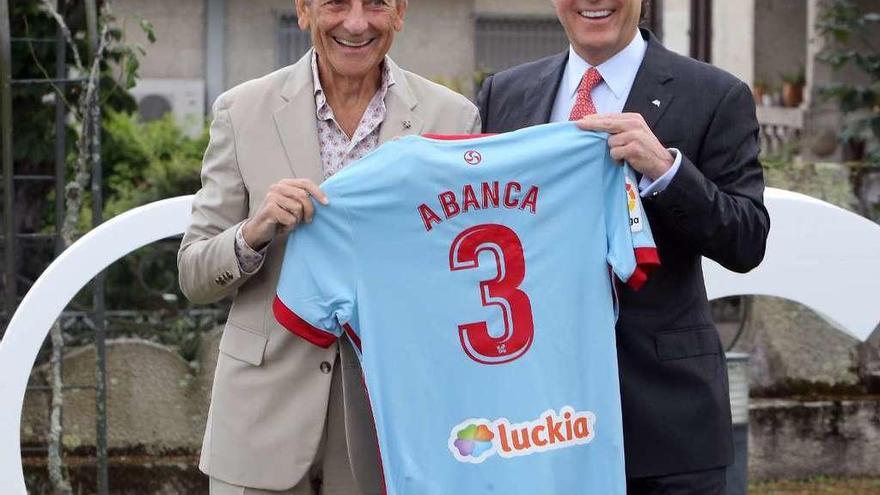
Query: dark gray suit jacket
674,390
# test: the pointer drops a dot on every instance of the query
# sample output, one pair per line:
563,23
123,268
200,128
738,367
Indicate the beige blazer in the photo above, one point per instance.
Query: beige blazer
270,395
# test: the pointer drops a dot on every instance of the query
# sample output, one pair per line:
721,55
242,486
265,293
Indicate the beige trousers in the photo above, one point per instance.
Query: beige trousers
331,472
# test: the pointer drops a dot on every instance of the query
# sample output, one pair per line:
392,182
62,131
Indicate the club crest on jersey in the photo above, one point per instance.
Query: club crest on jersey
473,157
476,439
636,224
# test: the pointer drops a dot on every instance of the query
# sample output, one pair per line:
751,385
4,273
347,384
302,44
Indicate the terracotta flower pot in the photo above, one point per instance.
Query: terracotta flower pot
758,93
792,94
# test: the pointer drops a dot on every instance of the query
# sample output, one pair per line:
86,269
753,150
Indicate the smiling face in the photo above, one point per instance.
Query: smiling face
598,29
351,37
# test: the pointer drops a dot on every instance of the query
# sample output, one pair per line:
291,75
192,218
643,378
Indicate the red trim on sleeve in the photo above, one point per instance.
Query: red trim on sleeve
647,260
353,336
296,325
455,137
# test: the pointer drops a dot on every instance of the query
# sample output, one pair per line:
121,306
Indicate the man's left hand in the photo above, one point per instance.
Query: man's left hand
631,140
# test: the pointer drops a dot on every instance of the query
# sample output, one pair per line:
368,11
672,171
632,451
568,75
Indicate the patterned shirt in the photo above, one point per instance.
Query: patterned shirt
337,148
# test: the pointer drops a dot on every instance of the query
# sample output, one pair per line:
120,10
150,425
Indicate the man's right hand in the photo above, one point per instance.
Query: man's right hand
287,203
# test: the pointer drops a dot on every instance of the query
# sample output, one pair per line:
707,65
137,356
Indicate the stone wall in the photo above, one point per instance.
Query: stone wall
157,403
157,406
793,439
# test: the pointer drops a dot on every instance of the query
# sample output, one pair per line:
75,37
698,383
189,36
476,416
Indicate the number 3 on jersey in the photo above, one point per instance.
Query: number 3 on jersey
502,291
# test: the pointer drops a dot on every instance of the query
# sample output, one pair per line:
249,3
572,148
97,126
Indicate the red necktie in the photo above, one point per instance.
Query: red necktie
583,105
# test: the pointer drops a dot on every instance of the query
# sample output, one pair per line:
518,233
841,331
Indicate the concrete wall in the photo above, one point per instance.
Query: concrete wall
801,439
251,38
542,8
780,39
437,42
677,26
733,37
179,25
155,403
442,29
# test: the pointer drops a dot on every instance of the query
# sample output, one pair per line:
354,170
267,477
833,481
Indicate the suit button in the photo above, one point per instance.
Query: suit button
218,281
326,367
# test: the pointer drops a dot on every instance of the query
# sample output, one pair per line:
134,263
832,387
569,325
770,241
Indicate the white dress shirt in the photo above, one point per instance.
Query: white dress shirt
610,95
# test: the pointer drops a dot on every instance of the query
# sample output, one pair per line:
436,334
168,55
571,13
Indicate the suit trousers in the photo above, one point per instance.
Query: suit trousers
708,482
331,472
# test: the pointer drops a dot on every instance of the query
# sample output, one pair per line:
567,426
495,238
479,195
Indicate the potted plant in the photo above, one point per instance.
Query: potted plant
759,89
793,88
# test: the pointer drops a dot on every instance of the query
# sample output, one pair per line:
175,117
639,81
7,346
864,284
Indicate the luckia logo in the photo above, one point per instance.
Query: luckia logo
476,439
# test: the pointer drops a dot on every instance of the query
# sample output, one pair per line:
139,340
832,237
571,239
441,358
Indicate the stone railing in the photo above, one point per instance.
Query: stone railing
780,128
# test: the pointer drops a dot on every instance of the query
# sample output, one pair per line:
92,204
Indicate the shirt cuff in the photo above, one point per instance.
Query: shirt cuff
249,260
648,187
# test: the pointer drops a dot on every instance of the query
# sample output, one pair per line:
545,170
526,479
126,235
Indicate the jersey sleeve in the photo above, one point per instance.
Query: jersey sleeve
315,297
632,254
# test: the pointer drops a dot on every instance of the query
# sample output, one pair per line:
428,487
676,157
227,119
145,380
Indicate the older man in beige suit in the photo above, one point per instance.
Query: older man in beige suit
278,421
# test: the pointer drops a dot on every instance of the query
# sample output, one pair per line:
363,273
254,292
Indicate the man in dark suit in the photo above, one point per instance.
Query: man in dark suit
690,132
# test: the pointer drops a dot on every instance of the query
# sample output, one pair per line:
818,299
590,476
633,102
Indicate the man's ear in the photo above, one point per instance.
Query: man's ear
302,14
401,14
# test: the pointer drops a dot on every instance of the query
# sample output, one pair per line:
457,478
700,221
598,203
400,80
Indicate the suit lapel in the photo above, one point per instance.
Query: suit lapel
400,103
652,91
297,124
538,99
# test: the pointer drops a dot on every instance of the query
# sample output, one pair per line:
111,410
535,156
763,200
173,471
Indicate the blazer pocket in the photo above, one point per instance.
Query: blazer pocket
243,344
687,343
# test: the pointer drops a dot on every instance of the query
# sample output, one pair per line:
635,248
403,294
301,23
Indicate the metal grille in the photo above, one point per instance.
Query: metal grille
293,42
503,42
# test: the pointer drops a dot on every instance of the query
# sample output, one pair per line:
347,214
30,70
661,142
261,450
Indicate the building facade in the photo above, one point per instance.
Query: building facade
205,47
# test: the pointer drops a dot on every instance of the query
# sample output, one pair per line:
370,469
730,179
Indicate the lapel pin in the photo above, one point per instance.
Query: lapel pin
656,103
407,124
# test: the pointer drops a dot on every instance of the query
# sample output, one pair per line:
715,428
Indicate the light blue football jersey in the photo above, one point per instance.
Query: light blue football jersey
475,278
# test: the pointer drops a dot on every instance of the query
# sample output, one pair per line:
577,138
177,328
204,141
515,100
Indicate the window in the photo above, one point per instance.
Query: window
293,42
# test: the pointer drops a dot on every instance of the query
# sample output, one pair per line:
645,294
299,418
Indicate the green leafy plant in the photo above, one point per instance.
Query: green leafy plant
94,50
33,106
152,160
847,29
797,78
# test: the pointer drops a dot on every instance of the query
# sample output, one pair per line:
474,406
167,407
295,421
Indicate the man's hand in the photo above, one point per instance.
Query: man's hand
287,203
631,140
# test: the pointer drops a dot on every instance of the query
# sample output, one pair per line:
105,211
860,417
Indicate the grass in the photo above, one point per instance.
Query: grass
818,486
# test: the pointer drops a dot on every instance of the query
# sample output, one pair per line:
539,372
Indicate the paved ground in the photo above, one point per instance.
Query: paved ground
819,486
